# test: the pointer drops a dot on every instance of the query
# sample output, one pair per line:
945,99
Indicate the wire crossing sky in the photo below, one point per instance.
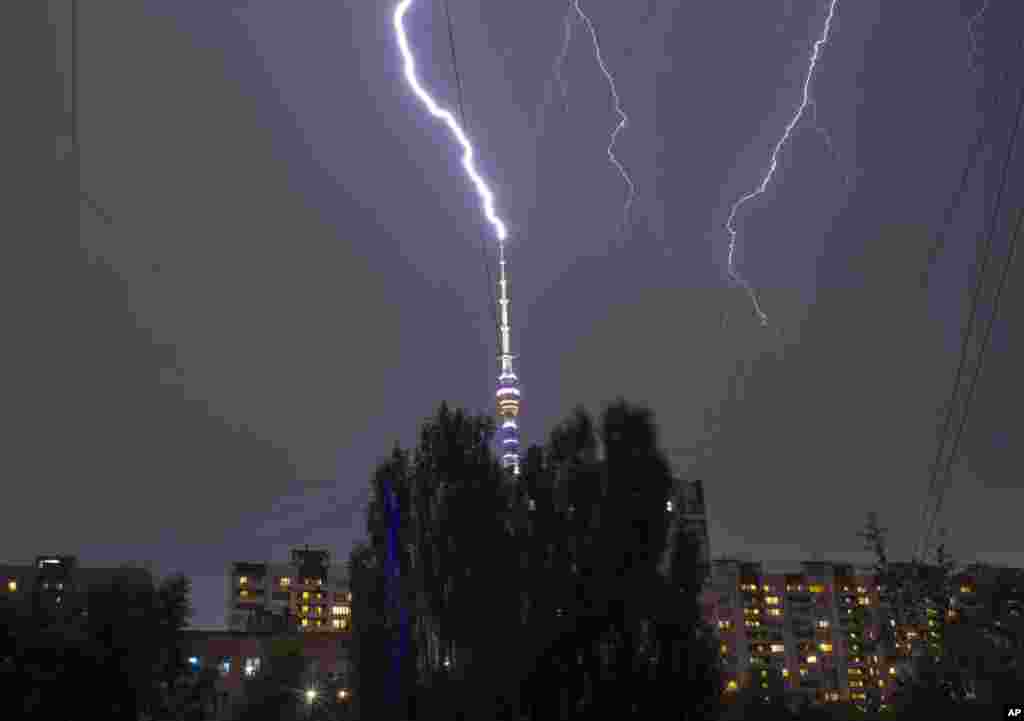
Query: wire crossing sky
623,120
468,162
774,164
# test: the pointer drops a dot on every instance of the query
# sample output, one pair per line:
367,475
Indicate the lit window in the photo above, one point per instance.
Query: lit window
285,581
812,659
767,588
774,611
825,647
319,623
242,580
305,622
252,666
342,694
12,585
243,593
305,595
881,683
965,589
816,588
193,661
337,623
225,664
668,506
823,623
778,648
892,670
803,672
785,673
319,610
864,601
855,672
725,649
861,589
348,597
771,600
305,609
732,686
857,696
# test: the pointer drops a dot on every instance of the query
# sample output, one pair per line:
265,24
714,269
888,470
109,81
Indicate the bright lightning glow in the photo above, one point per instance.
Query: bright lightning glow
486,196
972,36
815,55
623,120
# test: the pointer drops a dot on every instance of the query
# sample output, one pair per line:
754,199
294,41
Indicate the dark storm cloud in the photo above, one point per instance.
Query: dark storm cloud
281,274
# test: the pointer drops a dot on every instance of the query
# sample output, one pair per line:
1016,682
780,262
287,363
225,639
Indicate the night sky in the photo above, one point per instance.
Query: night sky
291,279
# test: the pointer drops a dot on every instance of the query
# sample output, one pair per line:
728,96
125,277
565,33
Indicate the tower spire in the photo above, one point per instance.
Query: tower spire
508,383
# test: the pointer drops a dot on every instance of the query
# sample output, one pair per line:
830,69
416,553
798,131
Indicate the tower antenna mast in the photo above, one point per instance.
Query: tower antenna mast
508,393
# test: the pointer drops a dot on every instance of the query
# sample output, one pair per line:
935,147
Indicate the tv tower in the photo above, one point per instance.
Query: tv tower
508,383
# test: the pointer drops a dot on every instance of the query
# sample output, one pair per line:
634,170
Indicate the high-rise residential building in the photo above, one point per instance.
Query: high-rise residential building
308,593
818,624
798,618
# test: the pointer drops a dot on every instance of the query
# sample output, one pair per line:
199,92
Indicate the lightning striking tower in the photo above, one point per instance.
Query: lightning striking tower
508,392
508,383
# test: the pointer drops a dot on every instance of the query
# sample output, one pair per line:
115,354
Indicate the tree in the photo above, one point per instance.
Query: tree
118,639
370,657
688,678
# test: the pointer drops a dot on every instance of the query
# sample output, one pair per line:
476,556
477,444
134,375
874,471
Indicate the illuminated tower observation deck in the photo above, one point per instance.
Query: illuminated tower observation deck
508,383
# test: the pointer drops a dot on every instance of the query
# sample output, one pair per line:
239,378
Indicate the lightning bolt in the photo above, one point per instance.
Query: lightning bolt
558,79
623,120
468,162
972,36
774,164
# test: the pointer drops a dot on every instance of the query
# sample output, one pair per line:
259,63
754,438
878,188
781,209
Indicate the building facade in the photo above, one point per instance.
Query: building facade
307,594
818,624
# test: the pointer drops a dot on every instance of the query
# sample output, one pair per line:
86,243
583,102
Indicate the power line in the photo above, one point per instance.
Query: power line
933,490
462,120
981,357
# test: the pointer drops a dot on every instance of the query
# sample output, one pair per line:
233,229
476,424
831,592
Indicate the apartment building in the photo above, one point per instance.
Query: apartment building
814,622
818,624
309,593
